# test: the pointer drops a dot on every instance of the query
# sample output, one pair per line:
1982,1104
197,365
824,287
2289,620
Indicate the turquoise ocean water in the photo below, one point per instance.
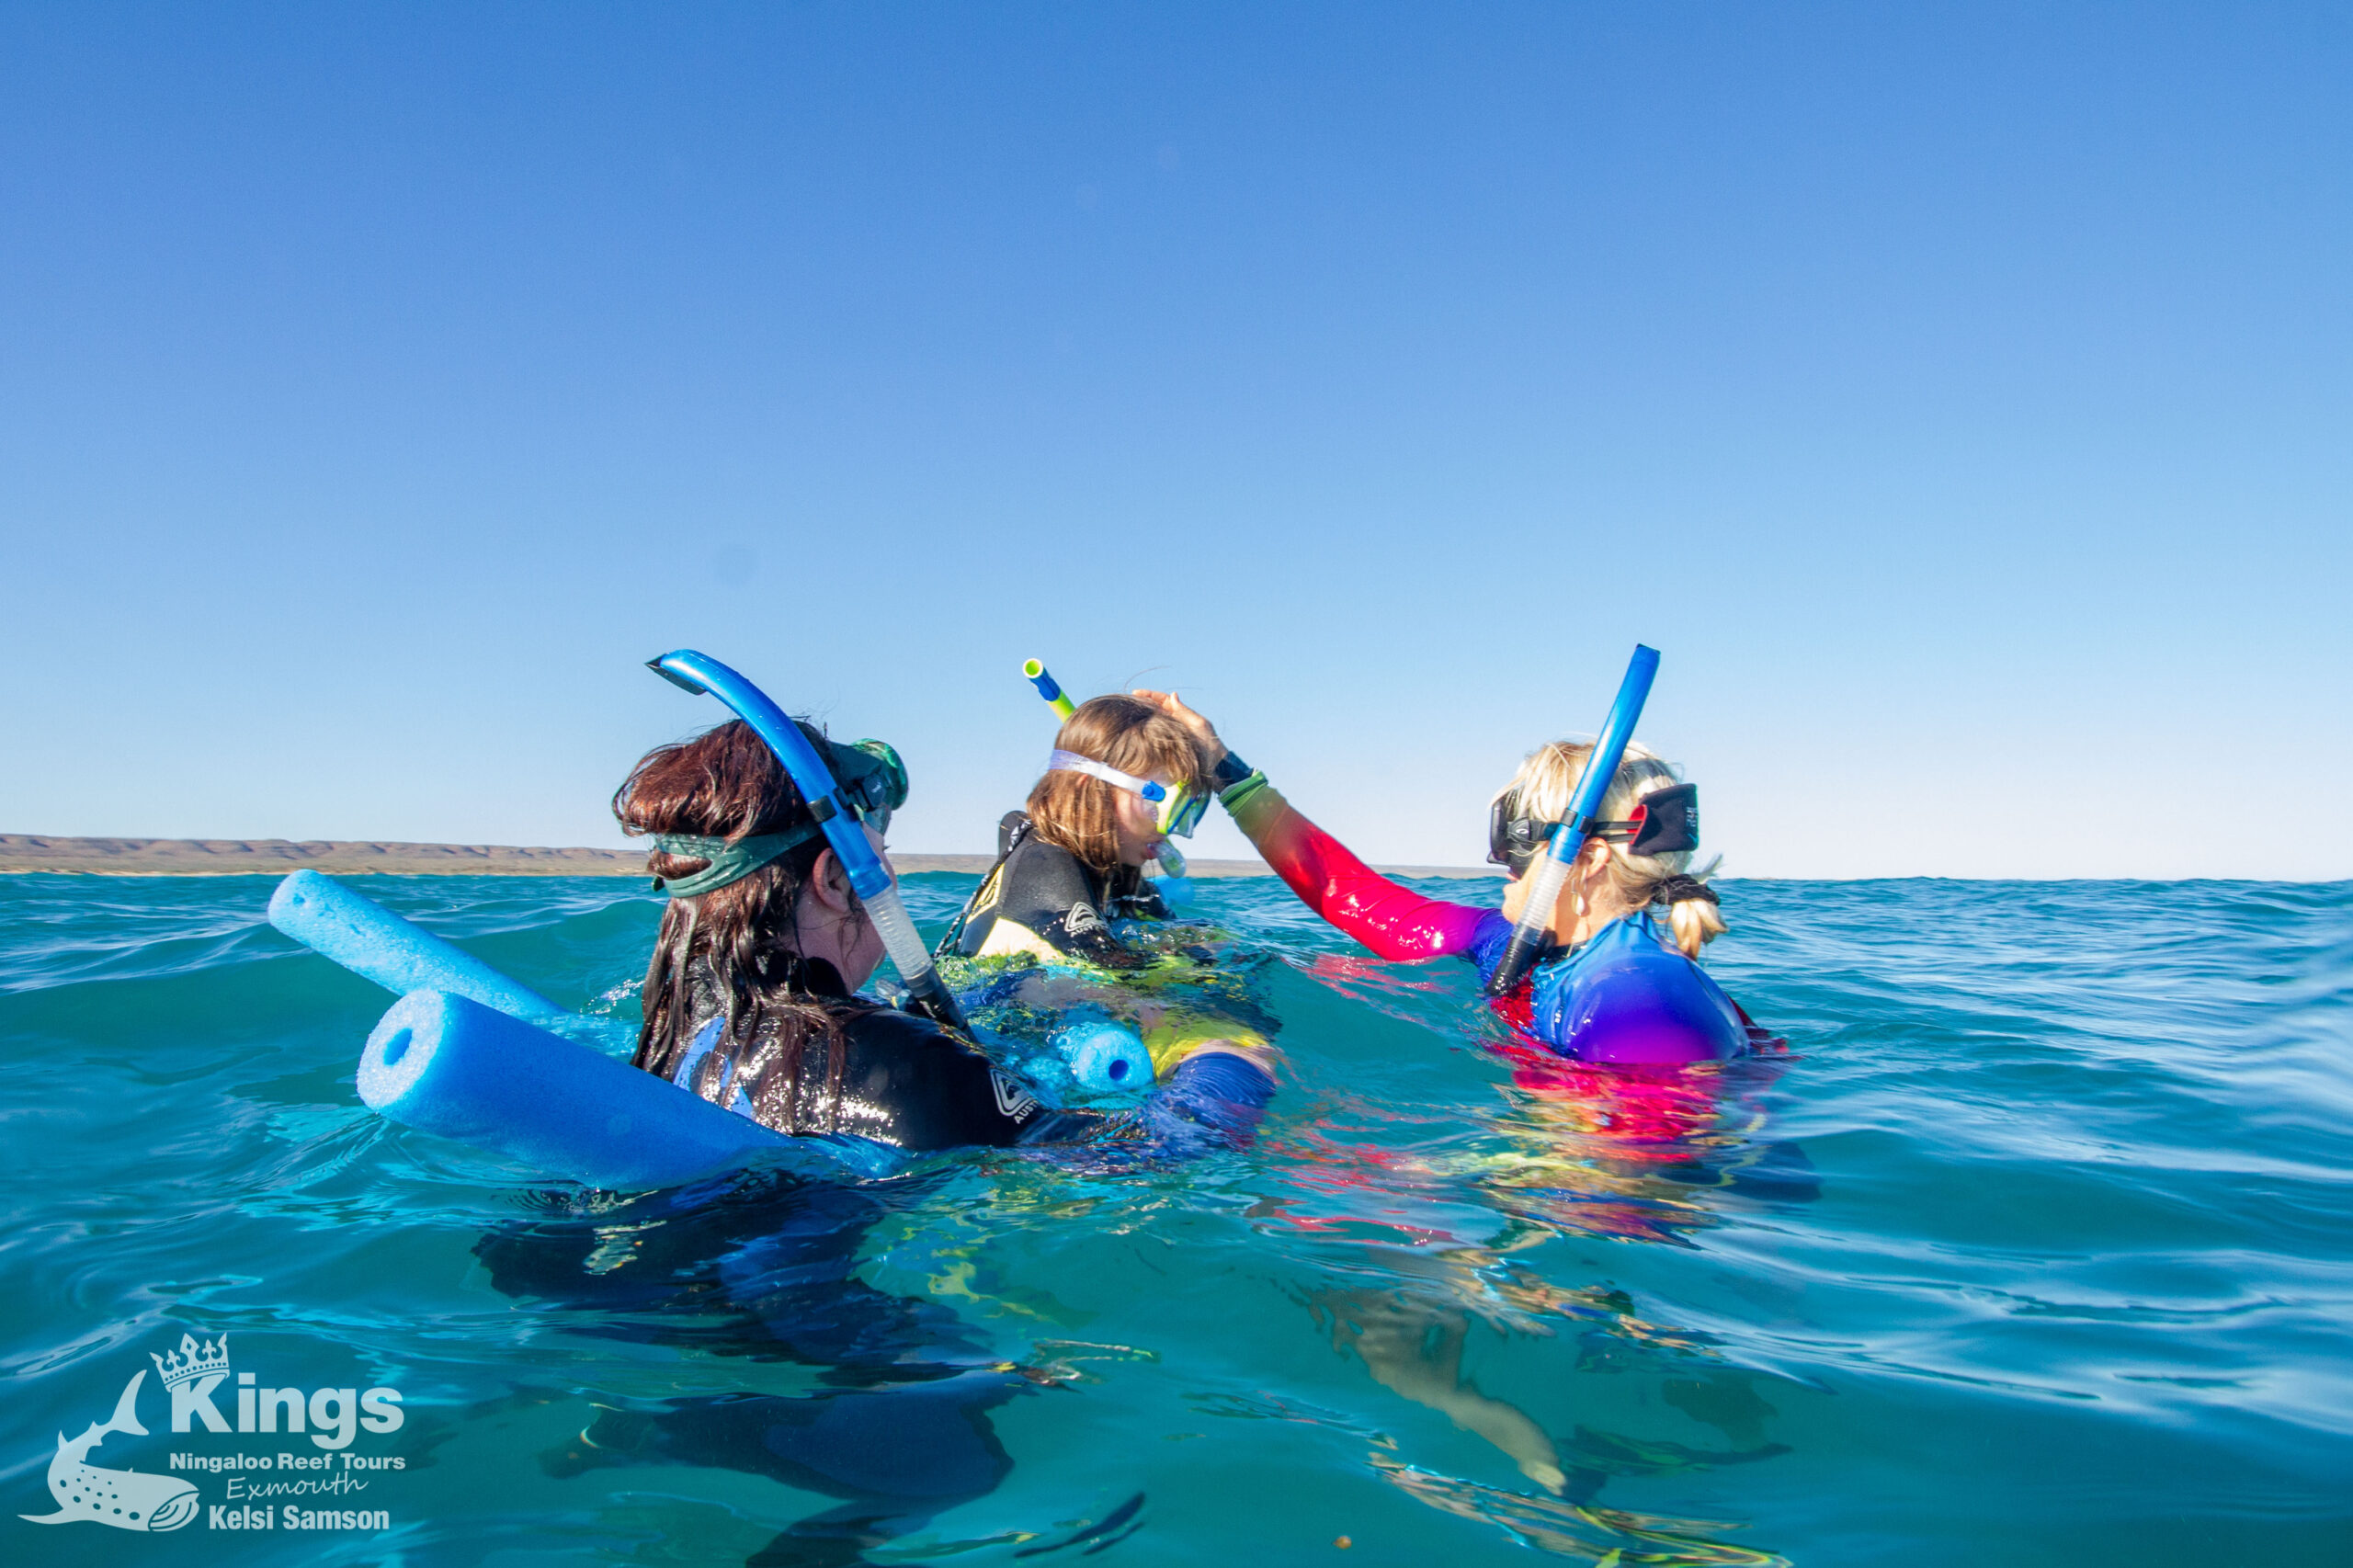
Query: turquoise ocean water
2037,1249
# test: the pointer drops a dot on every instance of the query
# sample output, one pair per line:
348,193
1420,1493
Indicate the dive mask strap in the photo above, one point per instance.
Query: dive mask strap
1178,808
1071,762
732,859
1665,822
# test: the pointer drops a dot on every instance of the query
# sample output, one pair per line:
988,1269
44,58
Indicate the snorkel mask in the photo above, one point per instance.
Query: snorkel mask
1665,822
869,779
873,780
1177,808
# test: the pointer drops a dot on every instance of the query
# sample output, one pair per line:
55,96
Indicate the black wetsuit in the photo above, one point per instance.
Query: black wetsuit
903,1081
891,1076
1051,894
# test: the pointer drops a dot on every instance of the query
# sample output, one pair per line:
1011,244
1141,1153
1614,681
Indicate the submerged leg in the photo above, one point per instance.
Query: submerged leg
895,1455
1415,1350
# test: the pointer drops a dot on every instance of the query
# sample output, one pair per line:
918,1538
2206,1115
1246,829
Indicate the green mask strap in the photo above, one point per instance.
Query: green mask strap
730,860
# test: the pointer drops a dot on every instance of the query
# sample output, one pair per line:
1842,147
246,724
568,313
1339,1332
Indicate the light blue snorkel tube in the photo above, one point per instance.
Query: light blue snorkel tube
703,674
1528,937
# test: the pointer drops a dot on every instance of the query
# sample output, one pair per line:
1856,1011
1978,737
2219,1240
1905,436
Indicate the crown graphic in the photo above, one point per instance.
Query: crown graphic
192,1360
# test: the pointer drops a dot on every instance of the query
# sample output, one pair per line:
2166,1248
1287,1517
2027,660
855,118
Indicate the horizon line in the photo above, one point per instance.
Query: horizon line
26,854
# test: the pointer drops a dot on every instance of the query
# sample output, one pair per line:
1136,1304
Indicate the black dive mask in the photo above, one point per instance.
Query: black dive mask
1665,822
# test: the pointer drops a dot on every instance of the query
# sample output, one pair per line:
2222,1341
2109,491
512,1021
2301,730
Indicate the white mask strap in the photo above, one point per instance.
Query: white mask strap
1071,762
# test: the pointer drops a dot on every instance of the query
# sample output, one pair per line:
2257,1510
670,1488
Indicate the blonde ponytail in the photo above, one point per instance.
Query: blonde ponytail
1691,908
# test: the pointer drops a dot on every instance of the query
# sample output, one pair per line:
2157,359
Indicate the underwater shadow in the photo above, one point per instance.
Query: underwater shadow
763,1269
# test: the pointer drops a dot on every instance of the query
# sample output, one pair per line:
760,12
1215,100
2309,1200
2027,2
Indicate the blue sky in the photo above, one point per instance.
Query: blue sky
1961,397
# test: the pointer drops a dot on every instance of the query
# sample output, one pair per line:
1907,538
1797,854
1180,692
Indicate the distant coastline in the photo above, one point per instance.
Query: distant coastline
23,852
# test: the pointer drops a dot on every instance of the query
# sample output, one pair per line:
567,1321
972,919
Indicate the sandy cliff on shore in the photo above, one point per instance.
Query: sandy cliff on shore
22,852
251,857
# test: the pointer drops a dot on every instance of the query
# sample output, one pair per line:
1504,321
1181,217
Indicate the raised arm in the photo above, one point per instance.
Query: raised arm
1394,922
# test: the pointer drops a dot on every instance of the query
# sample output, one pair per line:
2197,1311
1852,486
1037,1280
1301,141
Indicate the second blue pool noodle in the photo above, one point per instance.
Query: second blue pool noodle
399,955
451,1066
1104,1058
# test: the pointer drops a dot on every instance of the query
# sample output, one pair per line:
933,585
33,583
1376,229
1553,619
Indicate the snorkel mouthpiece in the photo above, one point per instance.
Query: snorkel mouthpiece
845,832
1552,868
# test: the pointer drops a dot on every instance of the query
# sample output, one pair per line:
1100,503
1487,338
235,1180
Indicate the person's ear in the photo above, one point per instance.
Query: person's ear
828,884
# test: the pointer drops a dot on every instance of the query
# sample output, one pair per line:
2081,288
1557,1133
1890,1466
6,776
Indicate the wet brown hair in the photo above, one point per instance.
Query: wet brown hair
737,941
1074,809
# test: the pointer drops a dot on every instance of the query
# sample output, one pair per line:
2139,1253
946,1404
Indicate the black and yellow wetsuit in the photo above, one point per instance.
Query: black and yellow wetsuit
1042,899
1042,902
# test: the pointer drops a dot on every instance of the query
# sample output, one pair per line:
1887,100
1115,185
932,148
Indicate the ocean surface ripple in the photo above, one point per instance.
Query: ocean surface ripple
2036,1248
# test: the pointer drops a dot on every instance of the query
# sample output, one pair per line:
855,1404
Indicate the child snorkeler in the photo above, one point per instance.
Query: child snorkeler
1074,862
1067,903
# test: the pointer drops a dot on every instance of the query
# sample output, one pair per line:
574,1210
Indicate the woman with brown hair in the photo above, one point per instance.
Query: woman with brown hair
750,999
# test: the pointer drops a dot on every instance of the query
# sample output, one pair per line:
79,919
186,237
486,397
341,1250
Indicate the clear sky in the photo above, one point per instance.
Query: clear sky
1961,396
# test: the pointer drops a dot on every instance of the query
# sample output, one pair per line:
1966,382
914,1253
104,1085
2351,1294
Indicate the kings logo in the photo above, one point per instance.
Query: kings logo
191,1373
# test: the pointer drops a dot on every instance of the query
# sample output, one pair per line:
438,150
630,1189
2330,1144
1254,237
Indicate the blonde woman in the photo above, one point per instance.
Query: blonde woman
1620,983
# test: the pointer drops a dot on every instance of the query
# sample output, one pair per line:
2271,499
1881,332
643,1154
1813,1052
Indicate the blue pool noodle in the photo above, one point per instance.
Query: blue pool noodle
448,1065
399,955
1103,1058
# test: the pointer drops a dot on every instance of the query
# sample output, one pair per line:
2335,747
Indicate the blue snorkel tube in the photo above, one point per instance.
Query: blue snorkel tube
1528,937
703,674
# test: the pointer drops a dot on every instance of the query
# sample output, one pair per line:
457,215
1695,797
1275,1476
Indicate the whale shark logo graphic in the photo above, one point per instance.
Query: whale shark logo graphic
124,1498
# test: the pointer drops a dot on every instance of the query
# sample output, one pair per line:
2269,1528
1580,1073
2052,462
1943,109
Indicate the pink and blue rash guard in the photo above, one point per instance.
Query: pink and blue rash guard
1628,995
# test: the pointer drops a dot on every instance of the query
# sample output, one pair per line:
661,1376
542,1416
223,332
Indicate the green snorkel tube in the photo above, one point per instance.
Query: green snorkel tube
1034,672
703,674
1528,938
